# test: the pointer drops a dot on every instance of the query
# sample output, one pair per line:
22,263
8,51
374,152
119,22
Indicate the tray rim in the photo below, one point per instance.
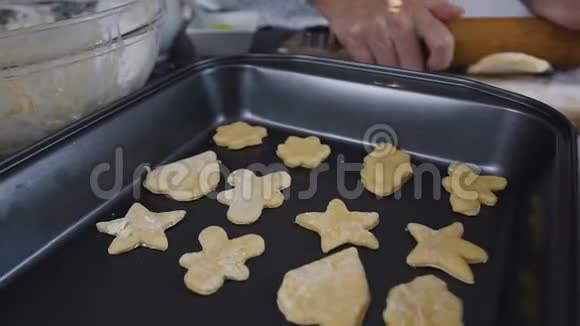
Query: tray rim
550,114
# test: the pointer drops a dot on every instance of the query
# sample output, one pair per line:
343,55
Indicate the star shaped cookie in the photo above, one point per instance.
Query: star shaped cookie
251,194
468,190
220,259
303,152
140,227
186,180
385,170
338,226
444,249
239,135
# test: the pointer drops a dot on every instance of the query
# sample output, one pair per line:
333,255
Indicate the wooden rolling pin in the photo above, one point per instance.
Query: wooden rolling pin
478,37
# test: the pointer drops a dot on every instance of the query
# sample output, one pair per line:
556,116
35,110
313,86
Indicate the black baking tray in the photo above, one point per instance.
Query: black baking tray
54,267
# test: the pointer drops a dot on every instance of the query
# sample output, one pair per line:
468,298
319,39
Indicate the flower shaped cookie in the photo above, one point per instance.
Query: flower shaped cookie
468,190
385,170
140,227
239,135
304,152
251,194
425,301
445,250
338,226
220,259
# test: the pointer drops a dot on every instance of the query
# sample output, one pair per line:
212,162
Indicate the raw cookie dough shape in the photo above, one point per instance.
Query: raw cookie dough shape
510,63
385,170
251,194
444,249
425,301
239,135
338,226
303,152
220,259
332,291
468,190
186,180
140,227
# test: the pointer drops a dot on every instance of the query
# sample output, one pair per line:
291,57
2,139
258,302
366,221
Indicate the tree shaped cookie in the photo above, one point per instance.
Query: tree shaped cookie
187,179
251,194
338,226
140,227
239,135
446,250
385,170
468,190
220,259
304,152
425,301
332,291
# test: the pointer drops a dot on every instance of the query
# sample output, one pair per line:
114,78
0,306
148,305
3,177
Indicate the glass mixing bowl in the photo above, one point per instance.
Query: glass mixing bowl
39,98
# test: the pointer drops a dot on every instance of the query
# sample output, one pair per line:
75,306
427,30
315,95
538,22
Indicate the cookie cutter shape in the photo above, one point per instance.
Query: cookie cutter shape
444,249
338,226
251,194
303,152
239,135
220,259
186,180
385,170
425,301
332,291
140,227
468,190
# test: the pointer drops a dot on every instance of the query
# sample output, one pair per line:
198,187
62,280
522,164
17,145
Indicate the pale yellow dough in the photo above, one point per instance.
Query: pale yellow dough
425,301
140,227
468,190
186,180
338,226
332,291
510,63
303,152
251,194
220,259
239,135
444,249
385,170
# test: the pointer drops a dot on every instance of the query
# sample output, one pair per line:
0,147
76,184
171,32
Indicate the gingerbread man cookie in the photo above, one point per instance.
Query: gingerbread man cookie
444,249
220,259
140,227
251,194
338,226
468,190
187,179
425,301
239,135
332,291
303,152
385,170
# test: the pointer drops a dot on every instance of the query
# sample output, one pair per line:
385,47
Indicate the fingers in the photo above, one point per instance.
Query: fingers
406,42
439,41
444,10
356,46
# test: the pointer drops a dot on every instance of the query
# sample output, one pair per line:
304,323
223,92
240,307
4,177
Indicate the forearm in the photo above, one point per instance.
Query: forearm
565,13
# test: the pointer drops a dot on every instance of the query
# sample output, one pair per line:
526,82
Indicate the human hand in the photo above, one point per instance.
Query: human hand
374,33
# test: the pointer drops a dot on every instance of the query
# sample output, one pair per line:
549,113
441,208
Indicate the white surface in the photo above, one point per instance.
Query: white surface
212,42
494,8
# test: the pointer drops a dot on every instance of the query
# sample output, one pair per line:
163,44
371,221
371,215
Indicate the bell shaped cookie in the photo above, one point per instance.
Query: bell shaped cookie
385,170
